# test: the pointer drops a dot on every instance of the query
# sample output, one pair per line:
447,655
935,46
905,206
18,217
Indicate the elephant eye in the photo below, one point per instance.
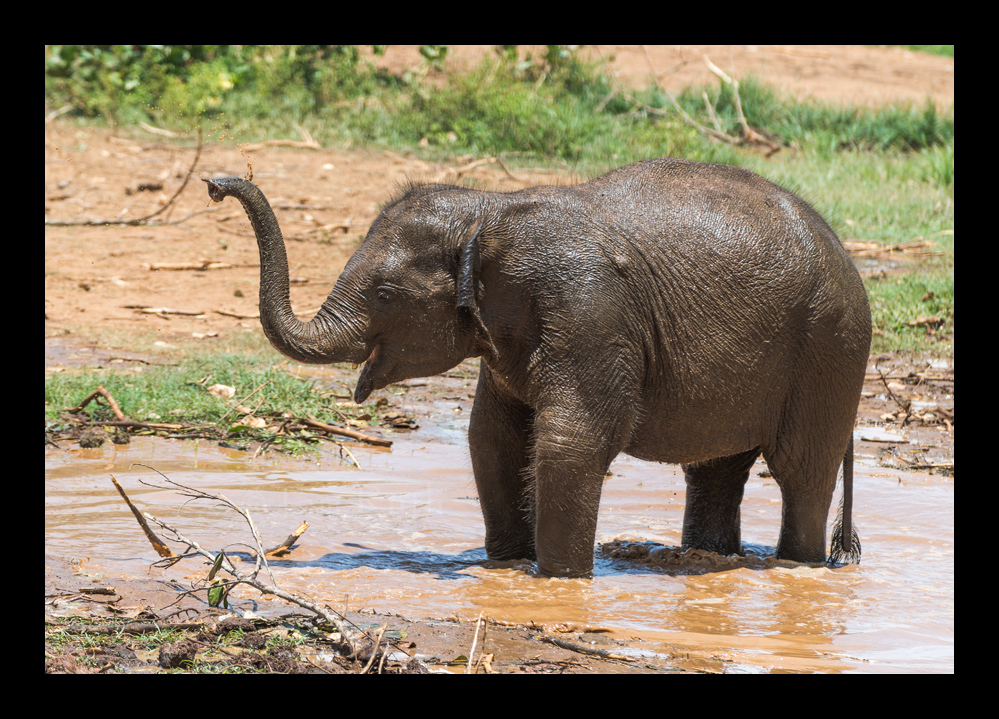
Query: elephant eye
385,294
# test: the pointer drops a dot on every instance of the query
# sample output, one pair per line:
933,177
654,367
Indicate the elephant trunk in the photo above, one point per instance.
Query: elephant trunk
335,334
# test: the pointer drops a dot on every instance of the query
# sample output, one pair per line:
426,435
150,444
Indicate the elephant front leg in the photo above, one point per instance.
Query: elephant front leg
498,434
571,458
711,517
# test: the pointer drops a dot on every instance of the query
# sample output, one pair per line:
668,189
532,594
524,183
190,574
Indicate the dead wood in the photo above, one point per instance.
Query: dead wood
285,546
162,311
457,172
343,432
199,265
99,392
917,247
751,136
161,548
221,562
138,220
306,142
585,650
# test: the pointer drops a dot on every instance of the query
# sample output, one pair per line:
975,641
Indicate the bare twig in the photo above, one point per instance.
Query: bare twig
56,113
199,265
353,434
374,650
138,220
161,548
157,130
239,402
99,392
306,142
349,634
161,311
903,404
585,650
457,172
475,639
750,136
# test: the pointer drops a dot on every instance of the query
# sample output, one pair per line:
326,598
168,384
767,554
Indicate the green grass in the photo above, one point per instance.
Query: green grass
179,394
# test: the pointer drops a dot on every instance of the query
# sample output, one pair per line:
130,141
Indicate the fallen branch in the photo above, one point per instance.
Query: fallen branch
306,142
256,315
161,548
750,135
157,130
99,392
459,171
350,634
585,650
285,546
353,434
161,311
876,249
138,220
200,265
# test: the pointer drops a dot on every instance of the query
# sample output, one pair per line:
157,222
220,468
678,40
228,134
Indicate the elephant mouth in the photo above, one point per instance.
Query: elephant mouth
375,367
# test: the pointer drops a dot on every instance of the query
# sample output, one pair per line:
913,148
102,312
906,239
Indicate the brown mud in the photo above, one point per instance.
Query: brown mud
102,287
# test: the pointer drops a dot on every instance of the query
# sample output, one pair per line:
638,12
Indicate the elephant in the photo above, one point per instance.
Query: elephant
679,312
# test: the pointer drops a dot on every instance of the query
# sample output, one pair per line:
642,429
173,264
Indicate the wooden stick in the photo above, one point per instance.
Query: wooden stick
100,391
475,639
312,421
161,548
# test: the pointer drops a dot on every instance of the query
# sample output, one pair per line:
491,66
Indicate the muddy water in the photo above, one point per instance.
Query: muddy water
404,535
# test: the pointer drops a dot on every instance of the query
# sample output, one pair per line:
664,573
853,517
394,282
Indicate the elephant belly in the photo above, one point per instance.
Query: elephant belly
693,440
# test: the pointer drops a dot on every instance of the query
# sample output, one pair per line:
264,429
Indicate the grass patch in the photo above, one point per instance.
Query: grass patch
912,310
179,395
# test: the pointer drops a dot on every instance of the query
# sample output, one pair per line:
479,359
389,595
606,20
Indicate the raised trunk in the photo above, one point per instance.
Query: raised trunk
335,334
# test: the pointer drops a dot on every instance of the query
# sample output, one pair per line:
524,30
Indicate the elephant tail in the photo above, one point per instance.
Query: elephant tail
845,538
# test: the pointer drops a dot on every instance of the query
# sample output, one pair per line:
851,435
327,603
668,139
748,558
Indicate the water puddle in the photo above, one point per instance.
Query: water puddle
404,535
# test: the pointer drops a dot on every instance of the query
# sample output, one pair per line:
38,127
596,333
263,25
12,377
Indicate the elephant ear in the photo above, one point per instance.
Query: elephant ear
468,284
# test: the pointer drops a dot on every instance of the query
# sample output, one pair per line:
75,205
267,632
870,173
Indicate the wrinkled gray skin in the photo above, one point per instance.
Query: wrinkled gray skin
676,311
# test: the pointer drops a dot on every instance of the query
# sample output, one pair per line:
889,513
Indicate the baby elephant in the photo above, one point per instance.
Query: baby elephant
676,311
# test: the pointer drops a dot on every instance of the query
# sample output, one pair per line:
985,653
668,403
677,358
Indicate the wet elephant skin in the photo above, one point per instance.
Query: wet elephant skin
676,311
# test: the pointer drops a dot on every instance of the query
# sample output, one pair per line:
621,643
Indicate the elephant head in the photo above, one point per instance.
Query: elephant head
404,304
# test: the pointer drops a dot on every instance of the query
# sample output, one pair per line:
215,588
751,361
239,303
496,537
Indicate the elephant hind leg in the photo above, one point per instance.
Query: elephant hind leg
711,517
807,483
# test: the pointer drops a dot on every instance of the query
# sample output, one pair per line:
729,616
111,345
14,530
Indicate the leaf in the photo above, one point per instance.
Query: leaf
216,565
216,594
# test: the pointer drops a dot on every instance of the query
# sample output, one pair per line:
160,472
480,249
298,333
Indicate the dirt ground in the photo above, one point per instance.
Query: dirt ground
106,284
